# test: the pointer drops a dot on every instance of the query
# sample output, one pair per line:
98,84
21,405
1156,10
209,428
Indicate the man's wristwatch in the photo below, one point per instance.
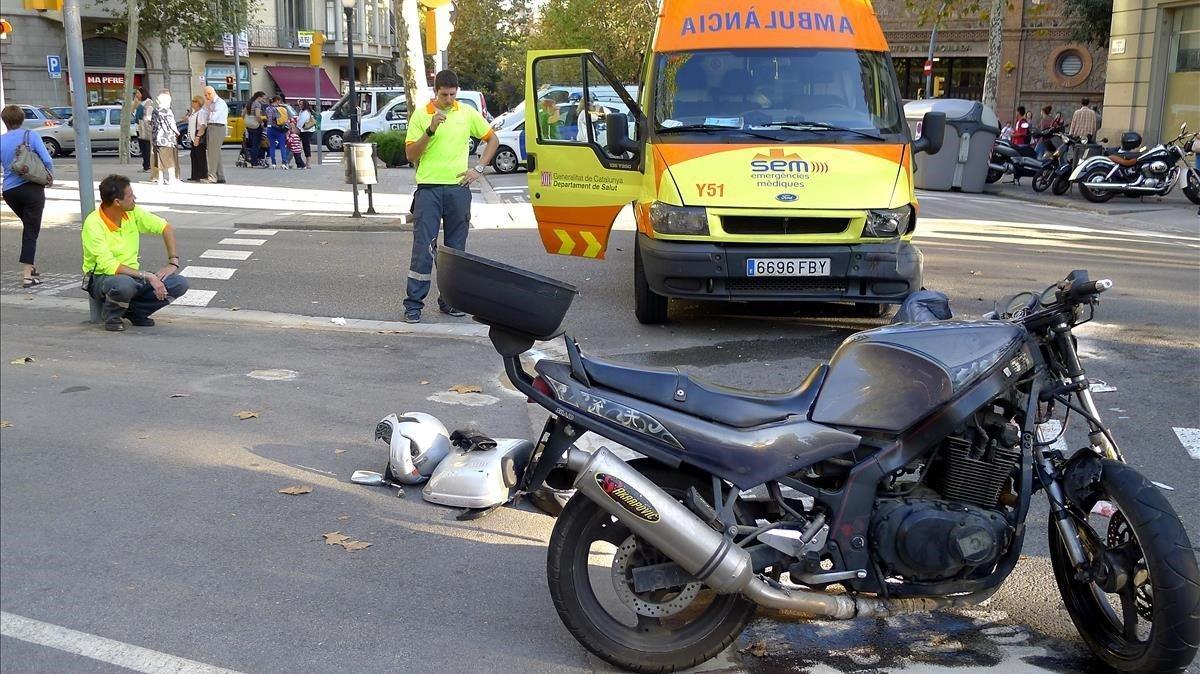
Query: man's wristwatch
479,169
429,132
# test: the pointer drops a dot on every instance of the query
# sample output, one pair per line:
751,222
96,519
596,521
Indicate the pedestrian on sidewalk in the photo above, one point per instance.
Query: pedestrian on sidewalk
141,98
437,142
253,119
1046,126
26,198
196,120
295,146
215,130
1084,122
1021,128
277,123
111,239
307,121
165,132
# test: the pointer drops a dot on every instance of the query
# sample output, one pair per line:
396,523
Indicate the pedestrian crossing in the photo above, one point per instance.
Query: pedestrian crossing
201,297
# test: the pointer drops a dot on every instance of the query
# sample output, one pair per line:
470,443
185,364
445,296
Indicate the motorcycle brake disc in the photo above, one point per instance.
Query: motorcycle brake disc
649,604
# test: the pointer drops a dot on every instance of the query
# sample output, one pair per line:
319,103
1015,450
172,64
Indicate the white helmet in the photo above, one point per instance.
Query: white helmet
418,443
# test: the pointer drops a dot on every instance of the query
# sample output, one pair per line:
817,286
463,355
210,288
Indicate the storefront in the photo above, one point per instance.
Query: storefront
953,77
107,88
104,62
215,74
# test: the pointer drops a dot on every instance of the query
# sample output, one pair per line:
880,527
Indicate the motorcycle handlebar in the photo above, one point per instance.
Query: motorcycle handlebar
1086,288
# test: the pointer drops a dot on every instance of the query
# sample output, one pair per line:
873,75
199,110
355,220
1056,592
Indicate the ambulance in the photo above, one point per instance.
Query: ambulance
766,158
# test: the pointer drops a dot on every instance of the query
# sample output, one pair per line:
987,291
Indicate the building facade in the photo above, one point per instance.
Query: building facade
1154,69
1040,65
276,61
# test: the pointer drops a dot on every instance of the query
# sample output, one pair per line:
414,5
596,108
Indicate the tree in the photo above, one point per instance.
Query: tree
936,12
619,32
408,31
1089,21
487,48
189,23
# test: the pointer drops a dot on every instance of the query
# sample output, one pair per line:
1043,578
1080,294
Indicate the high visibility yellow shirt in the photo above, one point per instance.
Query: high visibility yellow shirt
108,245
445,157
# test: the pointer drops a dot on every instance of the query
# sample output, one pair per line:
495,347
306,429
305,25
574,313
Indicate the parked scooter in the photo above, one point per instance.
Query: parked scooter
1133,171
1056,168
901,472
1019,161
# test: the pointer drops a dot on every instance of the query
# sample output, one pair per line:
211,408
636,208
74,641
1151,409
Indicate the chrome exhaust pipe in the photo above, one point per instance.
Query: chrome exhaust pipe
712,557
1121,187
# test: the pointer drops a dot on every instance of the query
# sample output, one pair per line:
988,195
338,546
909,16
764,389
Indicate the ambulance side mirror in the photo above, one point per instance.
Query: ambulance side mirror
933,131
617,133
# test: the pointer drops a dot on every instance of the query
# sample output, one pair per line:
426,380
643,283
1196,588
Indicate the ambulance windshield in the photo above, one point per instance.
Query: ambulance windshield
799,95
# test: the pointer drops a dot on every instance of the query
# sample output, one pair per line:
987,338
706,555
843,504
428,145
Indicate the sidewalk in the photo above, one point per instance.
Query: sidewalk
1073,199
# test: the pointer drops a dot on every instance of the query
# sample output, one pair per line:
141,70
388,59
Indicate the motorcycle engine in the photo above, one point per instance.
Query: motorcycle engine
1158,167
934,540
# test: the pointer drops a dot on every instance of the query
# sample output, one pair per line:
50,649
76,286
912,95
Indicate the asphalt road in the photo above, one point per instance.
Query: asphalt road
154,521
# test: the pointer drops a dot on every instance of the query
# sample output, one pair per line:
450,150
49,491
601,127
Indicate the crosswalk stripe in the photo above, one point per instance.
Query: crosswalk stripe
214,254
195,298
1190,438
241,242
193,271
257,232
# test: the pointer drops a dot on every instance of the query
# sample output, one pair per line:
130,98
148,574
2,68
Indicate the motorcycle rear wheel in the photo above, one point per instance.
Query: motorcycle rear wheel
1153,624
592,596
993,175
1043,180
1095,196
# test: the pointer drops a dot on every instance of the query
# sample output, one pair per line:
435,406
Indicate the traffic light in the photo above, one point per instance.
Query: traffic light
229,81
314,49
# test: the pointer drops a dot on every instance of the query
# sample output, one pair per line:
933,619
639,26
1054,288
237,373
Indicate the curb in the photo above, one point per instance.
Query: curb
489,194
1085,206
389,222
254,317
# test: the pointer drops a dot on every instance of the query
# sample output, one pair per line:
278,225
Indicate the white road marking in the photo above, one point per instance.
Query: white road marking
193,271
195,298
99,648
257,232
241,242
215,254
1049,430
509,189
1190,438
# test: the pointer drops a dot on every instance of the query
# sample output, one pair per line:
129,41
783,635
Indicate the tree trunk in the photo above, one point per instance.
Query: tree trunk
409,31
991,76
131,40
163,44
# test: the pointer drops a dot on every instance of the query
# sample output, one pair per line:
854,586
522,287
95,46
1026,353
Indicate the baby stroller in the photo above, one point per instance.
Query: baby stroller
243,160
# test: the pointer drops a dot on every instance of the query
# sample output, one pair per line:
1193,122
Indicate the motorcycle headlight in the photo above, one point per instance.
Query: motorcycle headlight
668,219
886,222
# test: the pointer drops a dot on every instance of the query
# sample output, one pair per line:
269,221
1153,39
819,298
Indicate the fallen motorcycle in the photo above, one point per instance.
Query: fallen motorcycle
902,472
1133,171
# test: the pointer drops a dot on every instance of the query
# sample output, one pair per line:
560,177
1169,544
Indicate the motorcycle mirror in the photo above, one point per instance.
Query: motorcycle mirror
367,477
1183,128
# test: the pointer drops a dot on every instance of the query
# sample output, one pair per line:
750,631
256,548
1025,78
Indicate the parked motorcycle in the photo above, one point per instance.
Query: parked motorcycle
1019,161
1132,171
901,472
1056,169
1191,183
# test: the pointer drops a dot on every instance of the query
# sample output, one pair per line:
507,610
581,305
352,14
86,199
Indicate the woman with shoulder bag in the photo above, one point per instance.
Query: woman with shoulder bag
307,121
253,119
25,184
196,119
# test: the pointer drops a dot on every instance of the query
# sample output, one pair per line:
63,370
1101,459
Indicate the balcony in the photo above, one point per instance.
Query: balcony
377,44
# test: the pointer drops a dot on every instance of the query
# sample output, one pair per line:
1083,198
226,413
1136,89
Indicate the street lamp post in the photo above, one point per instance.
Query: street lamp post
352,136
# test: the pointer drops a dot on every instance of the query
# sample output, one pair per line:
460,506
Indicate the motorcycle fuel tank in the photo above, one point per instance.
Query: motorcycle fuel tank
890,377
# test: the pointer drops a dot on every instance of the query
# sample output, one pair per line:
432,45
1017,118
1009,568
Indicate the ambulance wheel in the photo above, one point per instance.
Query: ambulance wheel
649,307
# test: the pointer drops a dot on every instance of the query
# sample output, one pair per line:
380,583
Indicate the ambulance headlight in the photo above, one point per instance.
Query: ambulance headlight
668,219
885,222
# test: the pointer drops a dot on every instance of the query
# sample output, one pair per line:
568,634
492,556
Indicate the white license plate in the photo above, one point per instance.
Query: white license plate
787,266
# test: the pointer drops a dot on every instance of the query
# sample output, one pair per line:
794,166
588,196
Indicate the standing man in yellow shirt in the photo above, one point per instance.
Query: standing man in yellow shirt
111,239
438,143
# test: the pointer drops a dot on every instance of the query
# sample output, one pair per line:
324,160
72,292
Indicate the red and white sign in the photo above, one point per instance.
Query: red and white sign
928,70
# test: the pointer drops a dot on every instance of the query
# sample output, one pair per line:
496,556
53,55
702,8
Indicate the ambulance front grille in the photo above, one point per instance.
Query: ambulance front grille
788,286
746,224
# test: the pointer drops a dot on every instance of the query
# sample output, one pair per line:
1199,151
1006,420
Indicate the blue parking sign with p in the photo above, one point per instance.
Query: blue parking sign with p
54,66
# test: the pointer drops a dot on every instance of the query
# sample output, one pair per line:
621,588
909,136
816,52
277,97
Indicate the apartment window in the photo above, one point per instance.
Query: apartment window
293,15
333,20
1185,42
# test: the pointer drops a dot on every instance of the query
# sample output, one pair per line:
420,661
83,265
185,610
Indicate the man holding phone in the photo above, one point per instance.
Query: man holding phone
438,143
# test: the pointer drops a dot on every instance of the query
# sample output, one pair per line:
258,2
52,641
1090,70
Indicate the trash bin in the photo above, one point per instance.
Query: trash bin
962,163
359,162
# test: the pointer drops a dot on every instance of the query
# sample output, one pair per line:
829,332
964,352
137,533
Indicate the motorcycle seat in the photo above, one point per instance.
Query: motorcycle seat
671,388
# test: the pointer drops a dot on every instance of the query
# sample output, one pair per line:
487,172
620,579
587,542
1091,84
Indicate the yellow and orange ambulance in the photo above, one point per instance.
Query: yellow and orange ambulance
766,157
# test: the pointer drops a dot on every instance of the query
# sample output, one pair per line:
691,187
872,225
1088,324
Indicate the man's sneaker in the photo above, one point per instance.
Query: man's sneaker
412,317
114,325
451,311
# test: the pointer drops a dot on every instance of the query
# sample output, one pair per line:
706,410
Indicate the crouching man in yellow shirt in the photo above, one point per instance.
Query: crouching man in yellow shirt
111,238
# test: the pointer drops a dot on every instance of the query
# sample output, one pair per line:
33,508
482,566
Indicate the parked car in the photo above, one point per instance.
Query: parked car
510,156
104,125
63,111
37,116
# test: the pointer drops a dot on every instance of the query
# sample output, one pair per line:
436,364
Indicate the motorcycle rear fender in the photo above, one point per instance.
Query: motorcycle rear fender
1089,163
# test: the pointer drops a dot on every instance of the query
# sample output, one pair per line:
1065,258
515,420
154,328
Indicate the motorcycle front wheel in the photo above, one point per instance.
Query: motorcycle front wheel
1095,195
590,567
1191,189
1061,186
1151,623
1044,179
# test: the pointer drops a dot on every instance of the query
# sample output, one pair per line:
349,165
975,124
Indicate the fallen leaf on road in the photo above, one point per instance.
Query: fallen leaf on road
757,649
343,518
335,537
296,489
424,382
324,243
347,543
246,414
339,451
21,361
181,395
143,437
355,545
5,424
466,388
976,273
